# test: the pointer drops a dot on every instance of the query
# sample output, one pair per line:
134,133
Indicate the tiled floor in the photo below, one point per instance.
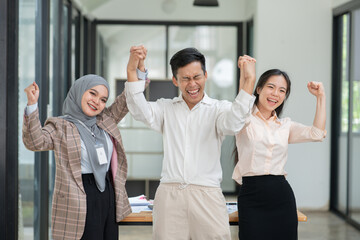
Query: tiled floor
320,226
326,226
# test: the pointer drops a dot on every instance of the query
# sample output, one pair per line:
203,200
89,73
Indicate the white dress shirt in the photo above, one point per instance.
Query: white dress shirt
263,144
191,138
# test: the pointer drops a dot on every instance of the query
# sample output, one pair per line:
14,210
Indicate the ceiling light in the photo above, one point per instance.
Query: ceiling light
206,3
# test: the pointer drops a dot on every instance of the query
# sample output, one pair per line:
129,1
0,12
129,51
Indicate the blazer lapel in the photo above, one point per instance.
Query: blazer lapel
74,151
112,129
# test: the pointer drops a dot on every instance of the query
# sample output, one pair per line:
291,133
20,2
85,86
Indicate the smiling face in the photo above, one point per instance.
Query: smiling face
271,95
94,100
191,81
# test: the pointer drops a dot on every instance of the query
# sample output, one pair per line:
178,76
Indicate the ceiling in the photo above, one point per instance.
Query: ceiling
164,10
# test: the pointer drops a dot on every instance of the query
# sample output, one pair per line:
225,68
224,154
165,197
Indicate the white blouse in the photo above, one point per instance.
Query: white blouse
263,144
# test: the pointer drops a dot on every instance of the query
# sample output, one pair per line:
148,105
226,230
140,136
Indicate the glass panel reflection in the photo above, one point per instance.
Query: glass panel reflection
143,146
354,200
141,140
343,137
144,165
118,40
26,77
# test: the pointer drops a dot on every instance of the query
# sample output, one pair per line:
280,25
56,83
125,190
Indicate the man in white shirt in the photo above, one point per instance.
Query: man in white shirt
189,203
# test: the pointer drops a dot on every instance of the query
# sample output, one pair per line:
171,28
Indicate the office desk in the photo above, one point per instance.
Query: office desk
145,218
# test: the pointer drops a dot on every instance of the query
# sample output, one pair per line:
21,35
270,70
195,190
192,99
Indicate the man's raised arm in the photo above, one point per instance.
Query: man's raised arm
149,113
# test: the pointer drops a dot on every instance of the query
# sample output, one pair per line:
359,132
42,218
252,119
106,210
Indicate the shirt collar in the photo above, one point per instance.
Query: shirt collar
206,99
273,118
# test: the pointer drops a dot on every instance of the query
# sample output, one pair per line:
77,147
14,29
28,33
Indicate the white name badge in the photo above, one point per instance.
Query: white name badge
101,154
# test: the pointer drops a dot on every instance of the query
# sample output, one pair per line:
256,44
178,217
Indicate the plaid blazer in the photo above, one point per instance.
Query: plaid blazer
69,198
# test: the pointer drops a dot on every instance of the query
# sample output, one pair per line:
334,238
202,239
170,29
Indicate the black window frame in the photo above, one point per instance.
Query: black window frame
338,13
9,119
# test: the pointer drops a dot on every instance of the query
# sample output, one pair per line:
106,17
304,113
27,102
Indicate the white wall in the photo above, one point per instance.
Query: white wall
295,36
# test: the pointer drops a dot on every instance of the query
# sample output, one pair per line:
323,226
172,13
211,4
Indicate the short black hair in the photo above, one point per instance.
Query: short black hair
264,78
184,57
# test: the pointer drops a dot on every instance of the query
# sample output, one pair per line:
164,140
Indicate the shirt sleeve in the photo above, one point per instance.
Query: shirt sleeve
150,113
233,116
301,133
30,109
142,75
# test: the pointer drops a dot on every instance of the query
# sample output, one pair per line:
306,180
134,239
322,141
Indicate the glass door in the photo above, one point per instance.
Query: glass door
354,178
26,159
345,172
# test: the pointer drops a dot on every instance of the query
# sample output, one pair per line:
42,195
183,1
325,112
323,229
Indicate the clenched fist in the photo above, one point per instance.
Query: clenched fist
247,68
137,57
316,89
32,93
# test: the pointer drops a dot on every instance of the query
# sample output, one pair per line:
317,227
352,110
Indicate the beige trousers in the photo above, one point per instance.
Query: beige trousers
184,212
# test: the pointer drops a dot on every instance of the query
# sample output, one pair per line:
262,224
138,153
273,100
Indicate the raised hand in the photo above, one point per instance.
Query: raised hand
32,93
247,73
247,67
316,89
137,57
141,65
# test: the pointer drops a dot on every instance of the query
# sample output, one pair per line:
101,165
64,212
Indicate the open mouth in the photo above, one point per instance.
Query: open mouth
272,102
92,107
193,93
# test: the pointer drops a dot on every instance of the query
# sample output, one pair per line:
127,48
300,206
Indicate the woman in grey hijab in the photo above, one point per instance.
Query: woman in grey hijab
89,194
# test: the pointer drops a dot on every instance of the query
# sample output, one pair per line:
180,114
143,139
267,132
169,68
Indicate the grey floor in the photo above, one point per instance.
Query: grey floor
320,226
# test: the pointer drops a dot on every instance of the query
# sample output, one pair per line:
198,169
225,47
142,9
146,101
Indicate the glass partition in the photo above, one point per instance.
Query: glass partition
354,195
344,128
26,77
345,194
143,146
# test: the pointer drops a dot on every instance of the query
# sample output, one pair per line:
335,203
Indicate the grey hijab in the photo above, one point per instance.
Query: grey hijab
72,112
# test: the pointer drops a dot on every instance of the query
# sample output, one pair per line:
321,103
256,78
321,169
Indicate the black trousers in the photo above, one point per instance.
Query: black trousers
100,221
267,209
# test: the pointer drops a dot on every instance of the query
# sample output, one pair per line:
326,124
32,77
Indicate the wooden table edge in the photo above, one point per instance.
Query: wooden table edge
145,218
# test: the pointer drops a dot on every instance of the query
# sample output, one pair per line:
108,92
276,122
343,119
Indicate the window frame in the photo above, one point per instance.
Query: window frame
336,130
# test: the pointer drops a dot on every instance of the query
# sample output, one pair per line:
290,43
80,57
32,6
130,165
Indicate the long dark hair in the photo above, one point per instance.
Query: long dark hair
260,84
262,81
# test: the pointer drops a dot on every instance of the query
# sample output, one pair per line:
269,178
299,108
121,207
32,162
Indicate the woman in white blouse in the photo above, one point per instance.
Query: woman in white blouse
266,202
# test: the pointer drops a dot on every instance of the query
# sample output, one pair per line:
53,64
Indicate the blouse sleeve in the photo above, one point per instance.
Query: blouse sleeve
301,133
